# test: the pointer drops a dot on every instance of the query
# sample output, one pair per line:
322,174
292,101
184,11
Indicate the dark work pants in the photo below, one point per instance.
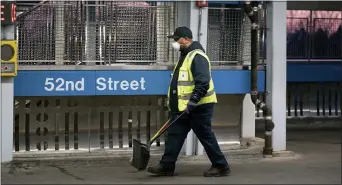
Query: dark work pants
199,120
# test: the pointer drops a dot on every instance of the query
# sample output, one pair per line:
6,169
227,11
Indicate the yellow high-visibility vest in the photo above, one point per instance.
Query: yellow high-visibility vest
186,83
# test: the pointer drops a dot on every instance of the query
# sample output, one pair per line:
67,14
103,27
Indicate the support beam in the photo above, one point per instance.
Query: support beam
202,35
7,104
90,33
276,71
162,17
7,101
59,33
184,19
189,15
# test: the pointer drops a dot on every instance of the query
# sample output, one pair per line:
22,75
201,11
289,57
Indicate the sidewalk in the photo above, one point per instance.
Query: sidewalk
317,160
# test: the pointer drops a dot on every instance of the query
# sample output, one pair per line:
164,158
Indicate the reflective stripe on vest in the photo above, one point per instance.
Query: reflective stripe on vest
185,83
187,96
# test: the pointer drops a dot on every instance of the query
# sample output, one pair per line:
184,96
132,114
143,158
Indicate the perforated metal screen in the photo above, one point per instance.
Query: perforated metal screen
107,32
228,35
76,32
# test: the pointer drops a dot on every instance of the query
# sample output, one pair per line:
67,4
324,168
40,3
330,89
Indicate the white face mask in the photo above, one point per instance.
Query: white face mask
176,46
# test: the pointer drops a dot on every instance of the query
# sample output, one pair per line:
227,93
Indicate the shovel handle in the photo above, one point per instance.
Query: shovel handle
164,128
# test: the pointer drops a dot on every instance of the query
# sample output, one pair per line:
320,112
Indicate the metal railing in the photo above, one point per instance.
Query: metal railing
312,100
319,38
77,32
297,38
102,123
53,123
109,32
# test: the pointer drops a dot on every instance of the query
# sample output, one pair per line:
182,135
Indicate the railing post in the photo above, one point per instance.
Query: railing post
59,32
161,31
7,103
90,34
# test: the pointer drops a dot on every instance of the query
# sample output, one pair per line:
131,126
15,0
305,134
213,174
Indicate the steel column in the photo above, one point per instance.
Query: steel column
7,102
276,71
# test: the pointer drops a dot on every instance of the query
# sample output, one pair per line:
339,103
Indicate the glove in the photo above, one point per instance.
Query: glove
191,105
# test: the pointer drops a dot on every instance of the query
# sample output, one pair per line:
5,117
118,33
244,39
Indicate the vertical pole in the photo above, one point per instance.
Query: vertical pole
276,71
7,104
59,32
7,101
185,14
202,38
1,108
188,15
161,36
90,33
310,37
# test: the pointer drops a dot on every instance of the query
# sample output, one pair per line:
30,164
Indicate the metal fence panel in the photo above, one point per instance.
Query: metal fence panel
327,38
312,100
77,32
106,32
104,123
33,29
227,35
297,38
316,38
86,123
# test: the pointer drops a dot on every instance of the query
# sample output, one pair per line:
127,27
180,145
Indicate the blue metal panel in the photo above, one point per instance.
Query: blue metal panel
314,72
32,83
92,83
224,2
236,81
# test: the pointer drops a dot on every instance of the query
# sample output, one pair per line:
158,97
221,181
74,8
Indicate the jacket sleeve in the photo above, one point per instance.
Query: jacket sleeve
201,73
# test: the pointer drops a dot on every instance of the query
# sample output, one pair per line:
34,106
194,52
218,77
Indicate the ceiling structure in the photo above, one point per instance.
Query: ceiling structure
25,5
315,5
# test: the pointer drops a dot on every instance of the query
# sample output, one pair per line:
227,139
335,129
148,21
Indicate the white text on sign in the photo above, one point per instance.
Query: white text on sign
60,84
102,84
114,85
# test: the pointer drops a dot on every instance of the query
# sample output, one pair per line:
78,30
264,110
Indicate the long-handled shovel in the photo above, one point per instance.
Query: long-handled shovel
141,151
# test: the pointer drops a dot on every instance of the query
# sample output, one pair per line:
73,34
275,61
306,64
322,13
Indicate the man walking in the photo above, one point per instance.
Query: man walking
191,90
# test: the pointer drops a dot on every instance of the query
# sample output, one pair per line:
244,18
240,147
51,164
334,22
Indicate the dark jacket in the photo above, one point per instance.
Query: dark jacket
201,73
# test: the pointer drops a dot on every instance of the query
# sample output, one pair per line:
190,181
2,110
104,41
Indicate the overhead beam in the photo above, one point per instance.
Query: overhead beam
315,5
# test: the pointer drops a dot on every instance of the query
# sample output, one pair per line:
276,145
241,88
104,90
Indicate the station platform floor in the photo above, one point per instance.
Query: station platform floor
317,160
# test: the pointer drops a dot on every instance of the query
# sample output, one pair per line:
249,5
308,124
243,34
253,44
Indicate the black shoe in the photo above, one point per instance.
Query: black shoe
217,172
160,171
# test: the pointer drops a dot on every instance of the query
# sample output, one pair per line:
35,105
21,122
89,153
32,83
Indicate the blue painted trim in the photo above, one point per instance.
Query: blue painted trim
314,72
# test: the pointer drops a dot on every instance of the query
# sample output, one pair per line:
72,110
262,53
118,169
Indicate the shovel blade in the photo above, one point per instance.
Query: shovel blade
141,155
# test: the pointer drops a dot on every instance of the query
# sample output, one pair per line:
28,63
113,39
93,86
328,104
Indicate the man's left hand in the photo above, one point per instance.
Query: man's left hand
190,107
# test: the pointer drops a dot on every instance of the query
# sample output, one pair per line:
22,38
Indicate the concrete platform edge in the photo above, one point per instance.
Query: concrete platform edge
103,157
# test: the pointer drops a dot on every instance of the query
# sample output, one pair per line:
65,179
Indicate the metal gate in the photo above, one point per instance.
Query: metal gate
86,123
314,39
311,100
319,100
106,122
